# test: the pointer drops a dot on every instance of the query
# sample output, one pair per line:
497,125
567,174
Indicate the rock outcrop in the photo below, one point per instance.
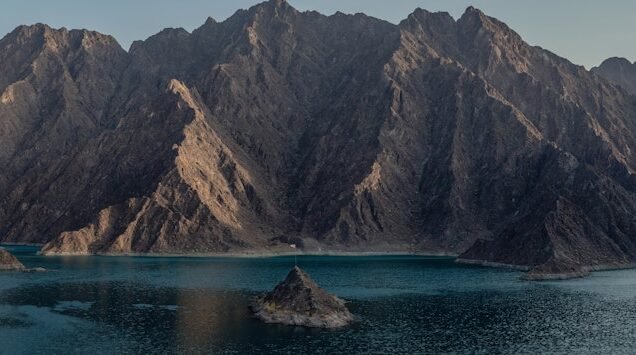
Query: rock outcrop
342,132
8,262
299,301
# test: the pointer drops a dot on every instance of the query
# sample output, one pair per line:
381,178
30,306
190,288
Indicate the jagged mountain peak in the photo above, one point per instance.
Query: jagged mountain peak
41,31
278,3
210,21
281,4
420,12
25,44
274,8
473,11
616,61
474,19
167,34
423,16
475,15
173,31
170,41
36,30
473,22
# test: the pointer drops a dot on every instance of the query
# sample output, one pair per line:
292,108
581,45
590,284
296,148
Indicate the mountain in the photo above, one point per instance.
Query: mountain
56,88
619,71
335,133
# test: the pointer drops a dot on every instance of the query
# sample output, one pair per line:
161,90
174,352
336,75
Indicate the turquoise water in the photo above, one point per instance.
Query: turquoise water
407,304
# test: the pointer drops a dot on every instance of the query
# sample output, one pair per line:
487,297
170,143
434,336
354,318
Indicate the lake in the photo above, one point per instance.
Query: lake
403,304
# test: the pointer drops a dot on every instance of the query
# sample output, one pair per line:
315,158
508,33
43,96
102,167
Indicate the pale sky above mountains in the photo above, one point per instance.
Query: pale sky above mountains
584,31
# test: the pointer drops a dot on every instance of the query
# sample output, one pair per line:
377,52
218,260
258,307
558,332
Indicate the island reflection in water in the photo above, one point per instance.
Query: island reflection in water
403,304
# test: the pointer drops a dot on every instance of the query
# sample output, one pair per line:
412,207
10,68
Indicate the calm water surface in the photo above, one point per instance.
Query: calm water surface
138,305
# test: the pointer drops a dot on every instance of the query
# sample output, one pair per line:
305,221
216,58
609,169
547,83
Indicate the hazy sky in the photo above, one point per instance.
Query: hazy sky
584,31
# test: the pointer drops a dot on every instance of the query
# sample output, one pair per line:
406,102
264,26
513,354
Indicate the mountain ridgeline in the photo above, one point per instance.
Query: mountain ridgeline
335,133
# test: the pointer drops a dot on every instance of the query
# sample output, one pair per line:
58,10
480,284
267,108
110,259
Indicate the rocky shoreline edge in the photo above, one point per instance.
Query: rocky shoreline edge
259,254
532,274
551,272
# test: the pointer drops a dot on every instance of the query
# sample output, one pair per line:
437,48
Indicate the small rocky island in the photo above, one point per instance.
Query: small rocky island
8,262
300,301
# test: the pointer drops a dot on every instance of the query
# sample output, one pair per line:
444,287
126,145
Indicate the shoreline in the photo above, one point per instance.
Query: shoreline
611,267
584,271
492,264
21,244
248,255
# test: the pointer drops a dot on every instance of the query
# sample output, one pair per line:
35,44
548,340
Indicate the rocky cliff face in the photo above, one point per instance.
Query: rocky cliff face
338,132
619,71
55,89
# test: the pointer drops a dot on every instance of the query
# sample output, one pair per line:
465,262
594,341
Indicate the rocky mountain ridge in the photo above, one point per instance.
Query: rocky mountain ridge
335,133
